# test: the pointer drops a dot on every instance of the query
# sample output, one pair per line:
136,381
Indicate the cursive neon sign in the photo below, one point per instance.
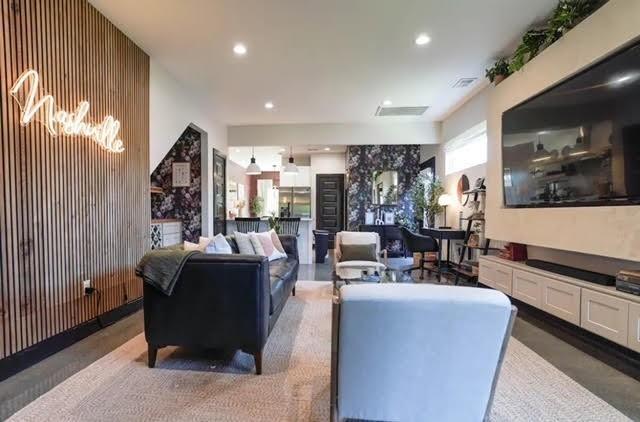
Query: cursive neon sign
56,121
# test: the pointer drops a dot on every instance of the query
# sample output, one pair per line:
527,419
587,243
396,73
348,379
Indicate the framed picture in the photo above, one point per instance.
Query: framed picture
181,174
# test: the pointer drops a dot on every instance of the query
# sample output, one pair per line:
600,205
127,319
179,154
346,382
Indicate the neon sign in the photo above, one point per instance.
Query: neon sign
104,134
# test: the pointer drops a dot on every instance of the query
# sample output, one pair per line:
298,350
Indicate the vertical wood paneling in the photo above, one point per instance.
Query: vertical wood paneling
69,210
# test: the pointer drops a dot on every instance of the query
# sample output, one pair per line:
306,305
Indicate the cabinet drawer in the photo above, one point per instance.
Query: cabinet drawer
605,315
171,239
562,300
634,326
171,228
527,287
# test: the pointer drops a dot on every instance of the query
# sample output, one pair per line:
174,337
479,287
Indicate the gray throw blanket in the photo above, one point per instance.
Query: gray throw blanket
161,268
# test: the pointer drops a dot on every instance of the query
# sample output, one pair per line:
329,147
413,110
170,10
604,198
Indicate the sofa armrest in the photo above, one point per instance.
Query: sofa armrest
218,301
290,245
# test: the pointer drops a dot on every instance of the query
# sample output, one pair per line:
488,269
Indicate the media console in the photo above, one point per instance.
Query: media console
603,310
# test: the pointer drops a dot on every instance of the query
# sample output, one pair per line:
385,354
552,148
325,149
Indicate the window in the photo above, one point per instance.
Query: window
466,150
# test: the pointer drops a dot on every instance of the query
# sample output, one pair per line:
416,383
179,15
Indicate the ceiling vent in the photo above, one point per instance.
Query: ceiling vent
401,111
464,82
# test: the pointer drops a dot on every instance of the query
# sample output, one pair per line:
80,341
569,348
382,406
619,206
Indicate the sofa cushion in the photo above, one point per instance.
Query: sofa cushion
281,273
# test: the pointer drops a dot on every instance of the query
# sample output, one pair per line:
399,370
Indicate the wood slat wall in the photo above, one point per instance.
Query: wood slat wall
69,210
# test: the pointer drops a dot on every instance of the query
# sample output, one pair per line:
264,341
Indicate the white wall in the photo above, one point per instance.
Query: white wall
324,164
335,134
171,109
468,115
607,231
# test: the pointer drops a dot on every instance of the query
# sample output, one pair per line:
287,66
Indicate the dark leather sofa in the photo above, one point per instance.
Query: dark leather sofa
225,302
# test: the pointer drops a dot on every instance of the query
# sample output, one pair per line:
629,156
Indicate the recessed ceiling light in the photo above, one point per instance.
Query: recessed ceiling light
268,105
327,149
240,49
387,103
422,39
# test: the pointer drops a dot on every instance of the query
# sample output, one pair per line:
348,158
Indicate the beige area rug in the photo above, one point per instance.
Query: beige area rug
293,387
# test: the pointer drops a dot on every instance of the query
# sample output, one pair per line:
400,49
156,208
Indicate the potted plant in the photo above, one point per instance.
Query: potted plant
498,72
256,205
274,222
434,189
419,196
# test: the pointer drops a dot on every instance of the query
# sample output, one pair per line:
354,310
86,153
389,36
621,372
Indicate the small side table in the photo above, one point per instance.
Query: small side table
440,235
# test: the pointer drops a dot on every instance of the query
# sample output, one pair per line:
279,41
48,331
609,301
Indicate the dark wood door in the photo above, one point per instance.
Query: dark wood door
330,204
219,193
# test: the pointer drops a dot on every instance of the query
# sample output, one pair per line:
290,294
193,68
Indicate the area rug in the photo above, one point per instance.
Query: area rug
191,386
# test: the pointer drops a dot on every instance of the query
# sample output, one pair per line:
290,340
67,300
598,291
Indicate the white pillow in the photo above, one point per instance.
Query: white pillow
245,247
257,246
271,250
217,244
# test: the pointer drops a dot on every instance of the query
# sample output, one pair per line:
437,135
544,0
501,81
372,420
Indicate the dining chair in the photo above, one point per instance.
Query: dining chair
247,224
289,225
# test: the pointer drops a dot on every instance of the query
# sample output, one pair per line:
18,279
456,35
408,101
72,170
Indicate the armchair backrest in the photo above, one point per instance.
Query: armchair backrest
355,238
438,359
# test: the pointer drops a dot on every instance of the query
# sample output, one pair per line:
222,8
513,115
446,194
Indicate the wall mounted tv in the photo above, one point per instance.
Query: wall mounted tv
577,143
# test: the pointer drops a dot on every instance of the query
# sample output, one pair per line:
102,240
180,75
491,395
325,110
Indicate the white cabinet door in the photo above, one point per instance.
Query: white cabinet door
486,273
503,277
562,300
634,326
605,315
303,177
527,287
287,179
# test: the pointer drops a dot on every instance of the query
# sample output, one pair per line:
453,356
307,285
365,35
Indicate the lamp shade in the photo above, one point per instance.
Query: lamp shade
253,168
290,167
445,199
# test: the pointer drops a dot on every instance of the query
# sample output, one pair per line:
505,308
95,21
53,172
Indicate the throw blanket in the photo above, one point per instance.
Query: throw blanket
161,268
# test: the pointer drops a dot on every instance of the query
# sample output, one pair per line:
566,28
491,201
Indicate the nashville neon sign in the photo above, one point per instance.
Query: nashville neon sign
104,134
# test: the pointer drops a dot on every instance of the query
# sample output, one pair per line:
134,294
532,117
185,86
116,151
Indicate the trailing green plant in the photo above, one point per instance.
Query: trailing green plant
434,189
256,205
499,68
568,14
531,45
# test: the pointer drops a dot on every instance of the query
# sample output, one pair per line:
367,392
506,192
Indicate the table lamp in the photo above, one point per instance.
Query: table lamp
444,200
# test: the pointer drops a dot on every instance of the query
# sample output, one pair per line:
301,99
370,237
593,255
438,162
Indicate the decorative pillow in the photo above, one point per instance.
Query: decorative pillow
245,247
218,245
190,246
276,241
257,246
270,249
358,252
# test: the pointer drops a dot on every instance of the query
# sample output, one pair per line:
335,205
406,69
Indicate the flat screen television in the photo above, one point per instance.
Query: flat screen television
577,143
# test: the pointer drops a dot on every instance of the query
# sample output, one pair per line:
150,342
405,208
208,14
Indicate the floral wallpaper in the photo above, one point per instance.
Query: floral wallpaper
362,161
182,203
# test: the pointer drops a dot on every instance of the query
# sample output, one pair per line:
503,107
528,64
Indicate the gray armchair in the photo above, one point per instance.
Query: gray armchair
415,352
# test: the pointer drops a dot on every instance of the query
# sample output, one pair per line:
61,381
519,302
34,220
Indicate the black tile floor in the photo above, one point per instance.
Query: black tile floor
616,388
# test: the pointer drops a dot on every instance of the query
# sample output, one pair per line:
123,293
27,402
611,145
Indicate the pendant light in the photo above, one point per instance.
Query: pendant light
541,154
290,167
253,169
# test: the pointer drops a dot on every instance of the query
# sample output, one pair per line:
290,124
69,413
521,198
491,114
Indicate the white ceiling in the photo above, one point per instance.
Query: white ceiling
269,156
324,61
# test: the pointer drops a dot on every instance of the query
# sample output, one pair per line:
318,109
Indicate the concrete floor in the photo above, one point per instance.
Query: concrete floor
616,388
